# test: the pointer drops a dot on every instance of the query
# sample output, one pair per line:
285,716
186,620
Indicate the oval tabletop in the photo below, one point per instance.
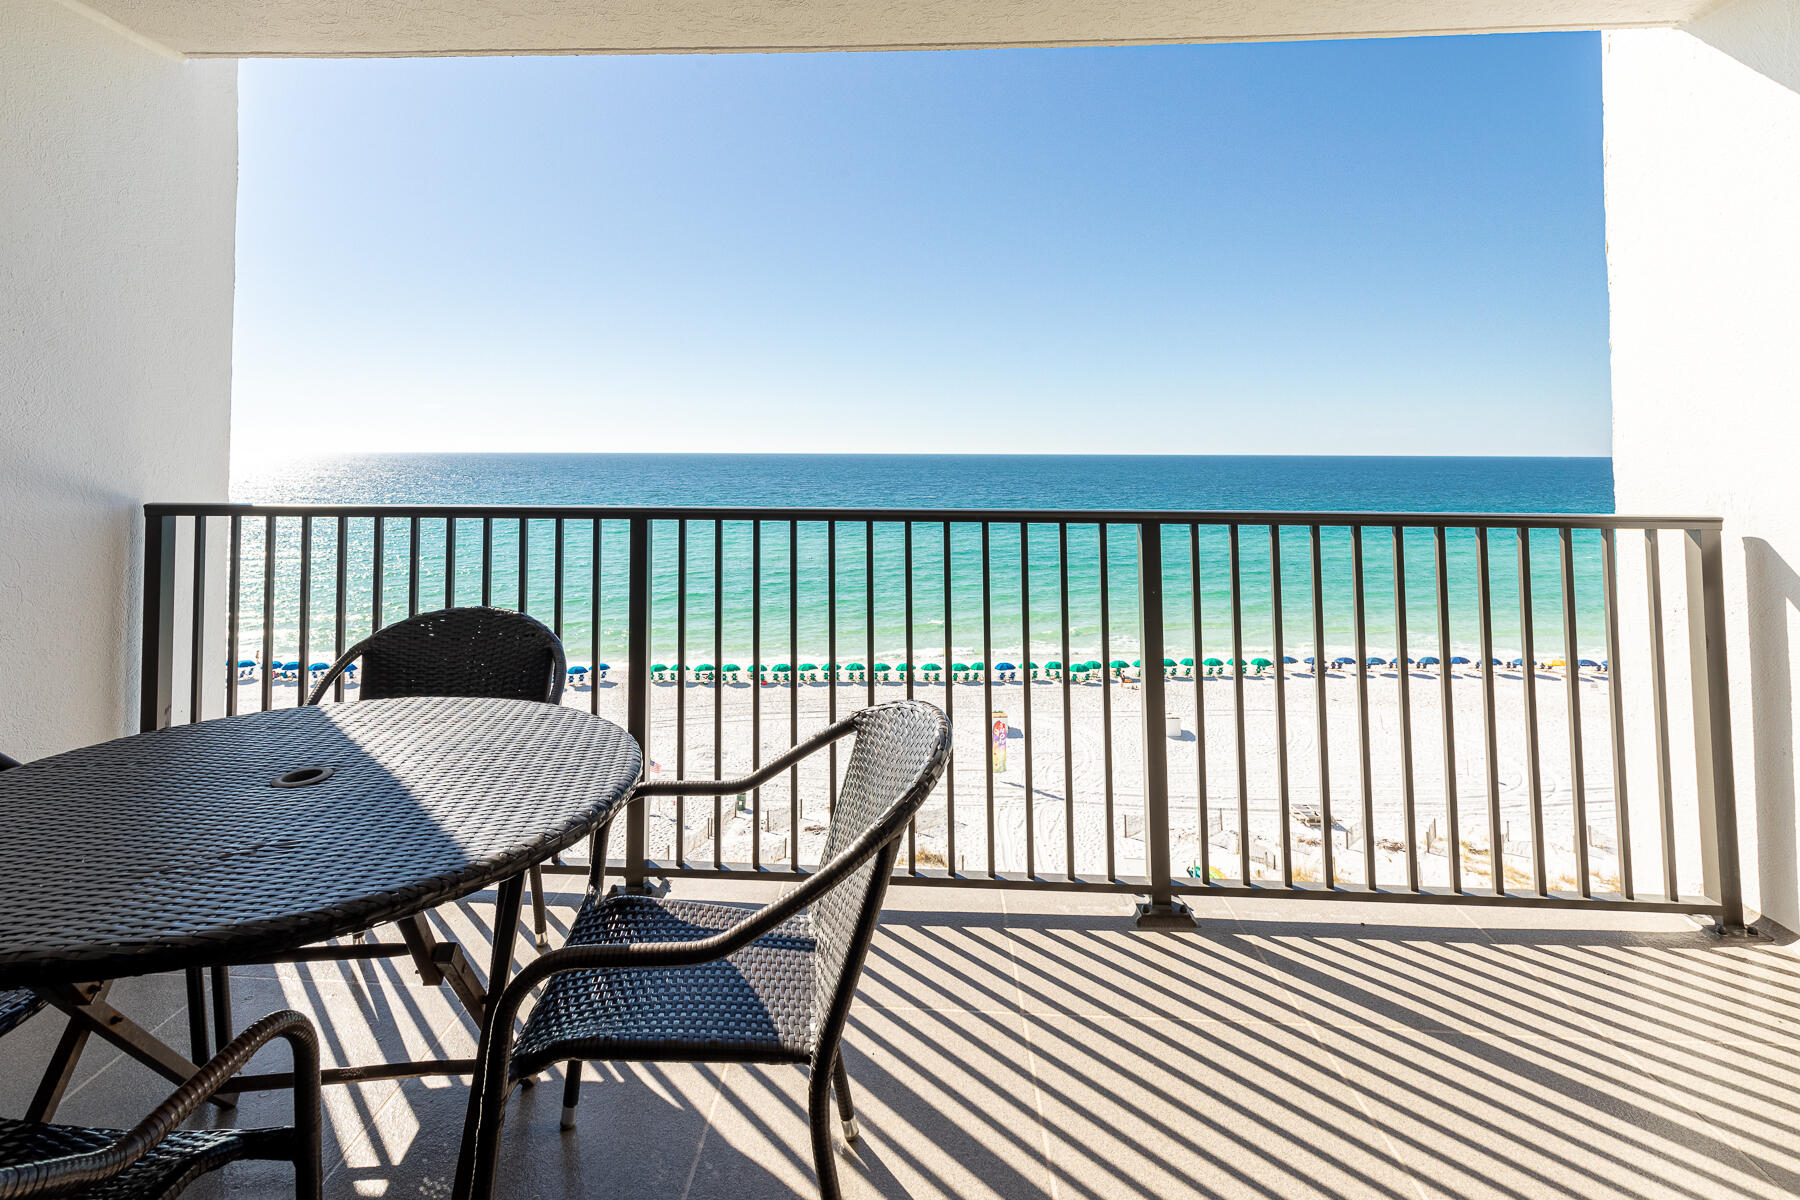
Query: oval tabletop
193,845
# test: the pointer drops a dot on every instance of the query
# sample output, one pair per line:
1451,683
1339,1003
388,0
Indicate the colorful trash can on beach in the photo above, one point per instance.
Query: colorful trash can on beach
999,742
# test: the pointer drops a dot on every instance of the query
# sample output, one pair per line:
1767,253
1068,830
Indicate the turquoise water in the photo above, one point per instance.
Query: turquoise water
989,482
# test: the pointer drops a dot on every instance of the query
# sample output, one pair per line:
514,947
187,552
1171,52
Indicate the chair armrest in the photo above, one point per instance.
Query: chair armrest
79,1170
762,775
337,668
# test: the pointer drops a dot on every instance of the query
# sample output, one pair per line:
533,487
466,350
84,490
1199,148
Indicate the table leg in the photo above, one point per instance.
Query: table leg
198,1047
443,962
86,1005
222,1022
61,1070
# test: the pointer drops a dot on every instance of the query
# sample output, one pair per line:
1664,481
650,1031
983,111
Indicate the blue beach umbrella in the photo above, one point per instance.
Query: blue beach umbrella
1428,661
1341,661
1376,662
1589,663
1516,664
1459,661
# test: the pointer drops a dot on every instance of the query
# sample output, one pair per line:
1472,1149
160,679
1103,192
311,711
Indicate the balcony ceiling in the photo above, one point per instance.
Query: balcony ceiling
243,28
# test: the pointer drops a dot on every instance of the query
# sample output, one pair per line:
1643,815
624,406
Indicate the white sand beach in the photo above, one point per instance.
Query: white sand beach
955,829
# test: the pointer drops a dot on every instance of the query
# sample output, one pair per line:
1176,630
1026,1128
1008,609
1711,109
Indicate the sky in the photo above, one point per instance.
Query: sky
1348,247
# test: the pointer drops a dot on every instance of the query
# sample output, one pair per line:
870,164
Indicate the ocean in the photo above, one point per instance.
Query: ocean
1243,483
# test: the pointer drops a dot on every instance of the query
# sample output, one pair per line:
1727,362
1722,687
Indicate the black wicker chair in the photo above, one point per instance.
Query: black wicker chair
461,652
155,1160
651,979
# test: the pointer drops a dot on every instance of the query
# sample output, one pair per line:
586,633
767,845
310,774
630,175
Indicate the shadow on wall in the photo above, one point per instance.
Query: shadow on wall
1772,594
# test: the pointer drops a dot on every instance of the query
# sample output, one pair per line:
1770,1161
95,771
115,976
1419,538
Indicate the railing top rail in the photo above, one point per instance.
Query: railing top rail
1286,519
1046,517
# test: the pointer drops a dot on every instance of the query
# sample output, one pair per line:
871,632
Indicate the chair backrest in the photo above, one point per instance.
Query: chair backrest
900,752
458,652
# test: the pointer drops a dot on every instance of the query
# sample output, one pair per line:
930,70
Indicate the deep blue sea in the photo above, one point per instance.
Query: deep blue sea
1550,485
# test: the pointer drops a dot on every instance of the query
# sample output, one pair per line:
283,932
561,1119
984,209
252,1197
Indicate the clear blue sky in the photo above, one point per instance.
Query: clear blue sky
1336,247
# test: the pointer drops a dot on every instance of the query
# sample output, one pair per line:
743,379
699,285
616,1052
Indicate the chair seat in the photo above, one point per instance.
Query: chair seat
755,1006
15,1006
178,1160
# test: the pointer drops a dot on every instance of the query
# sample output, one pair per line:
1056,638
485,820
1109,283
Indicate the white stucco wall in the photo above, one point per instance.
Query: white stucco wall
1703,249
118,182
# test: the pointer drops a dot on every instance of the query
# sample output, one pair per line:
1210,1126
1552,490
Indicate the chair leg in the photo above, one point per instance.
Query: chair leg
824,1152
539,921
571,1093
840,1082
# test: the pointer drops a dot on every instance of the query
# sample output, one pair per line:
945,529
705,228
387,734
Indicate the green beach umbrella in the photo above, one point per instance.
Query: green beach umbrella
1054,665
853,666
783,667
1137,662
809,666
703,667
1119,664
883,667
959,666
1187,662
1260,663
1211,662
931,667
658,667
1169,662
731,667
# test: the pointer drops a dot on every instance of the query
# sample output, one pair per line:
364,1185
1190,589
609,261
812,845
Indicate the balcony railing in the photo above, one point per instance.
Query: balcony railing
1361,705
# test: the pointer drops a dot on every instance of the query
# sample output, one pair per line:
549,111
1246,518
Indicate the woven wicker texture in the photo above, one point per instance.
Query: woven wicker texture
457,652
15,1006
755,1006
171,849
770,1002
181,1158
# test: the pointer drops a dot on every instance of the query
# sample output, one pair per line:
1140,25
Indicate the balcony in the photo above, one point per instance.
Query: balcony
1030,1043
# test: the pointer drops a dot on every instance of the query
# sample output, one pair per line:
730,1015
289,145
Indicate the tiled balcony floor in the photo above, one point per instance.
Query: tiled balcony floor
1032,1044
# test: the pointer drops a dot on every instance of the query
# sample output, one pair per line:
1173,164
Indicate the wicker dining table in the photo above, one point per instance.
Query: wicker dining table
256,838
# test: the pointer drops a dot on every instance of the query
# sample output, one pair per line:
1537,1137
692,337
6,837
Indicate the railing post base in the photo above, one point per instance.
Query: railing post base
1734,933
1172,915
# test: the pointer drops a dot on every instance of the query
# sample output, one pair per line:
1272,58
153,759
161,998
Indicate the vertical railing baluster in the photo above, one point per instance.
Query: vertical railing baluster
681,575
340,629
487,566
1359,603
1712,727
1489,718
718,829
1659,710
1025,675
756,687
1235,566
305,613
525,565
869,611
831,660
232,615
1205,827
950,867
450,562
1609,584
987,683
1161,910
1327,868
412,569
1408,793
1068,720
1106,729
268,613
197,627
558,564
378,555
1572,659
1284,800
1447,701
794,691
156,699
595,612
637,702
1534,775
912,826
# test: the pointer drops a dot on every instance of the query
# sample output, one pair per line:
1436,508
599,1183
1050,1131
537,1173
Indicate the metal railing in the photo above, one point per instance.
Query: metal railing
1313,768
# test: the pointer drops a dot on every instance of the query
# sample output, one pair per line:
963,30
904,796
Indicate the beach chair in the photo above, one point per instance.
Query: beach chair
646,978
